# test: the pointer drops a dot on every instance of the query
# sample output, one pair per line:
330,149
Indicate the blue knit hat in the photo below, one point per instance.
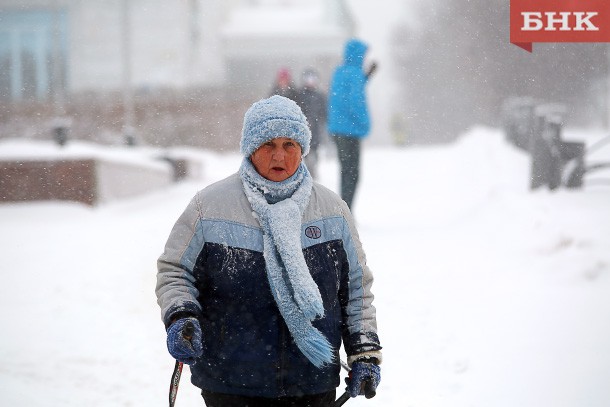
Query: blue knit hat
271,118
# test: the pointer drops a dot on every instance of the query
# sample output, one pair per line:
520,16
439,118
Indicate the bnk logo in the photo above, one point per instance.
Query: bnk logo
562,21
558,21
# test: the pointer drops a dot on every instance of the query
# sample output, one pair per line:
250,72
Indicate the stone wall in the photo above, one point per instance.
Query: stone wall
71,180
89,181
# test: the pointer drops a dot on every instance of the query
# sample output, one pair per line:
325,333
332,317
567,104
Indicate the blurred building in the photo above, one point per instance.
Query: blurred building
55,47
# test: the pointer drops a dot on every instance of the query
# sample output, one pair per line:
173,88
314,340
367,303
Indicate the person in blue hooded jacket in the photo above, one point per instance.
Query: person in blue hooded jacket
348,115
268,268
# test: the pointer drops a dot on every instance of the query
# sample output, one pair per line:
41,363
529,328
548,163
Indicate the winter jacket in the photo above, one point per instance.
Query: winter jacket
347,108
313,104
213,268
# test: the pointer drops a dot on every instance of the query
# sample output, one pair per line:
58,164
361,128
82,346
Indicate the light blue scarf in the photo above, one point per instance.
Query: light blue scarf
279,207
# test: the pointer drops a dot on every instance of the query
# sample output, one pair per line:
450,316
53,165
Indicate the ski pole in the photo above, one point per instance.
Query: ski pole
342,400
187,333
345,396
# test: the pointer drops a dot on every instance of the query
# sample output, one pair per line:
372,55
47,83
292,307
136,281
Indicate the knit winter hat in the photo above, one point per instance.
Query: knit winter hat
283,74
271,118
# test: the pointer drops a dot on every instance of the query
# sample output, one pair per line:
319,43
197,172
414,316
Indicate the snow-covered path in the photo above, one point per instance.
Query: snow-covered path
487,294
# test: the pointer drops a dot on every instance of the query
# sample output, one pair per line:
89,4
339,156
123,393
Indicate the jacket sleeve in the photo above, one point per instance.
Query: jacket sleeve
176,291
359,314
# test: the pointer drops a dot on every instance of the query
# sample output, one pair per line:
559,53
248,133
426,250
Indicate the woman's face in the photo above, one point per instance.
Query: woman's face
277,159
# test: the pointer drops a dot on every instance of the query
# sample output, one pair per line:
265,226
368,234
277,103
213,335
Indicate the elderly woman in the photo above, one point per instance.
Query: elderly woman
268,267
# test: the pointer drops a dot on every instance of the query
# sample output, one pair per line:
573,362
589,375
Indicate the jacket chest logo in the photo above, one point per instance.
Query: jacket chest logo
313,232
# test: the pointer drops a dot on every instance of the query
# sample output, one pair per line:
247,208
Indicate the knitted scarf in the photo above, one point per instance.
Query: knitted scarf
279,207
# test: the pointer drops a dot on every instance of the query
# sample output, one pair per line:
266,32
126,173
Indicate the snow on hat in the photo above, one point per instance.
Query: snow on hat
271,118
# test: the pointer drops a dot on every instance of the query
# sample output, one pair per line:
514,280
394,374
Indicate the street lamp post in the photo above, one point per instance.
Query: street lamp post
128,104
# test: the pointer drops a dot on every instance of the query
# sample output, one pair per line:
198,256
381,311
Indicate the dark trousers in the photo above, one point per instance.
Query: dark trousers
348,149
230,400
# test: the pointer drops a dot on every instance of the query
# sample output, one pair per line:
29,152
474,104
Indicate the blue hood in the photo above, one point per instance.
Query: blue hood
354,52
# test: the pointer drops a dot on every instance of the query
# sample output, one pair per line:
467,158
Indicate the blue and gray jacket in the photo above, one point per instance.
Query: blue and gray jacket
213,268
347,108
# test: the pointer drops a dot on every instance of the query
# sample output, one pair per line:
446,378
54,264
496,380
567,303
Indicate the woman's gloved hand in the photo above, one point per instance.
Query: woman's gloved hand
184,340
364,379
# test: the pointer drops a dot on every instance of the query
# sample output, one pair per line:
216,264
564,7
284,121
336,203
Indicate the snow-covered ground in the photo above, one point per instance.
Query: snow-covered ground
487,294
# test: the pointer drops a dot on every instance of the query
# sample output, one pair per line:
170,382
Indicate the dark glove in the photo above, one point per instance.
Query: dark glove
372,69
183,348
363,379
